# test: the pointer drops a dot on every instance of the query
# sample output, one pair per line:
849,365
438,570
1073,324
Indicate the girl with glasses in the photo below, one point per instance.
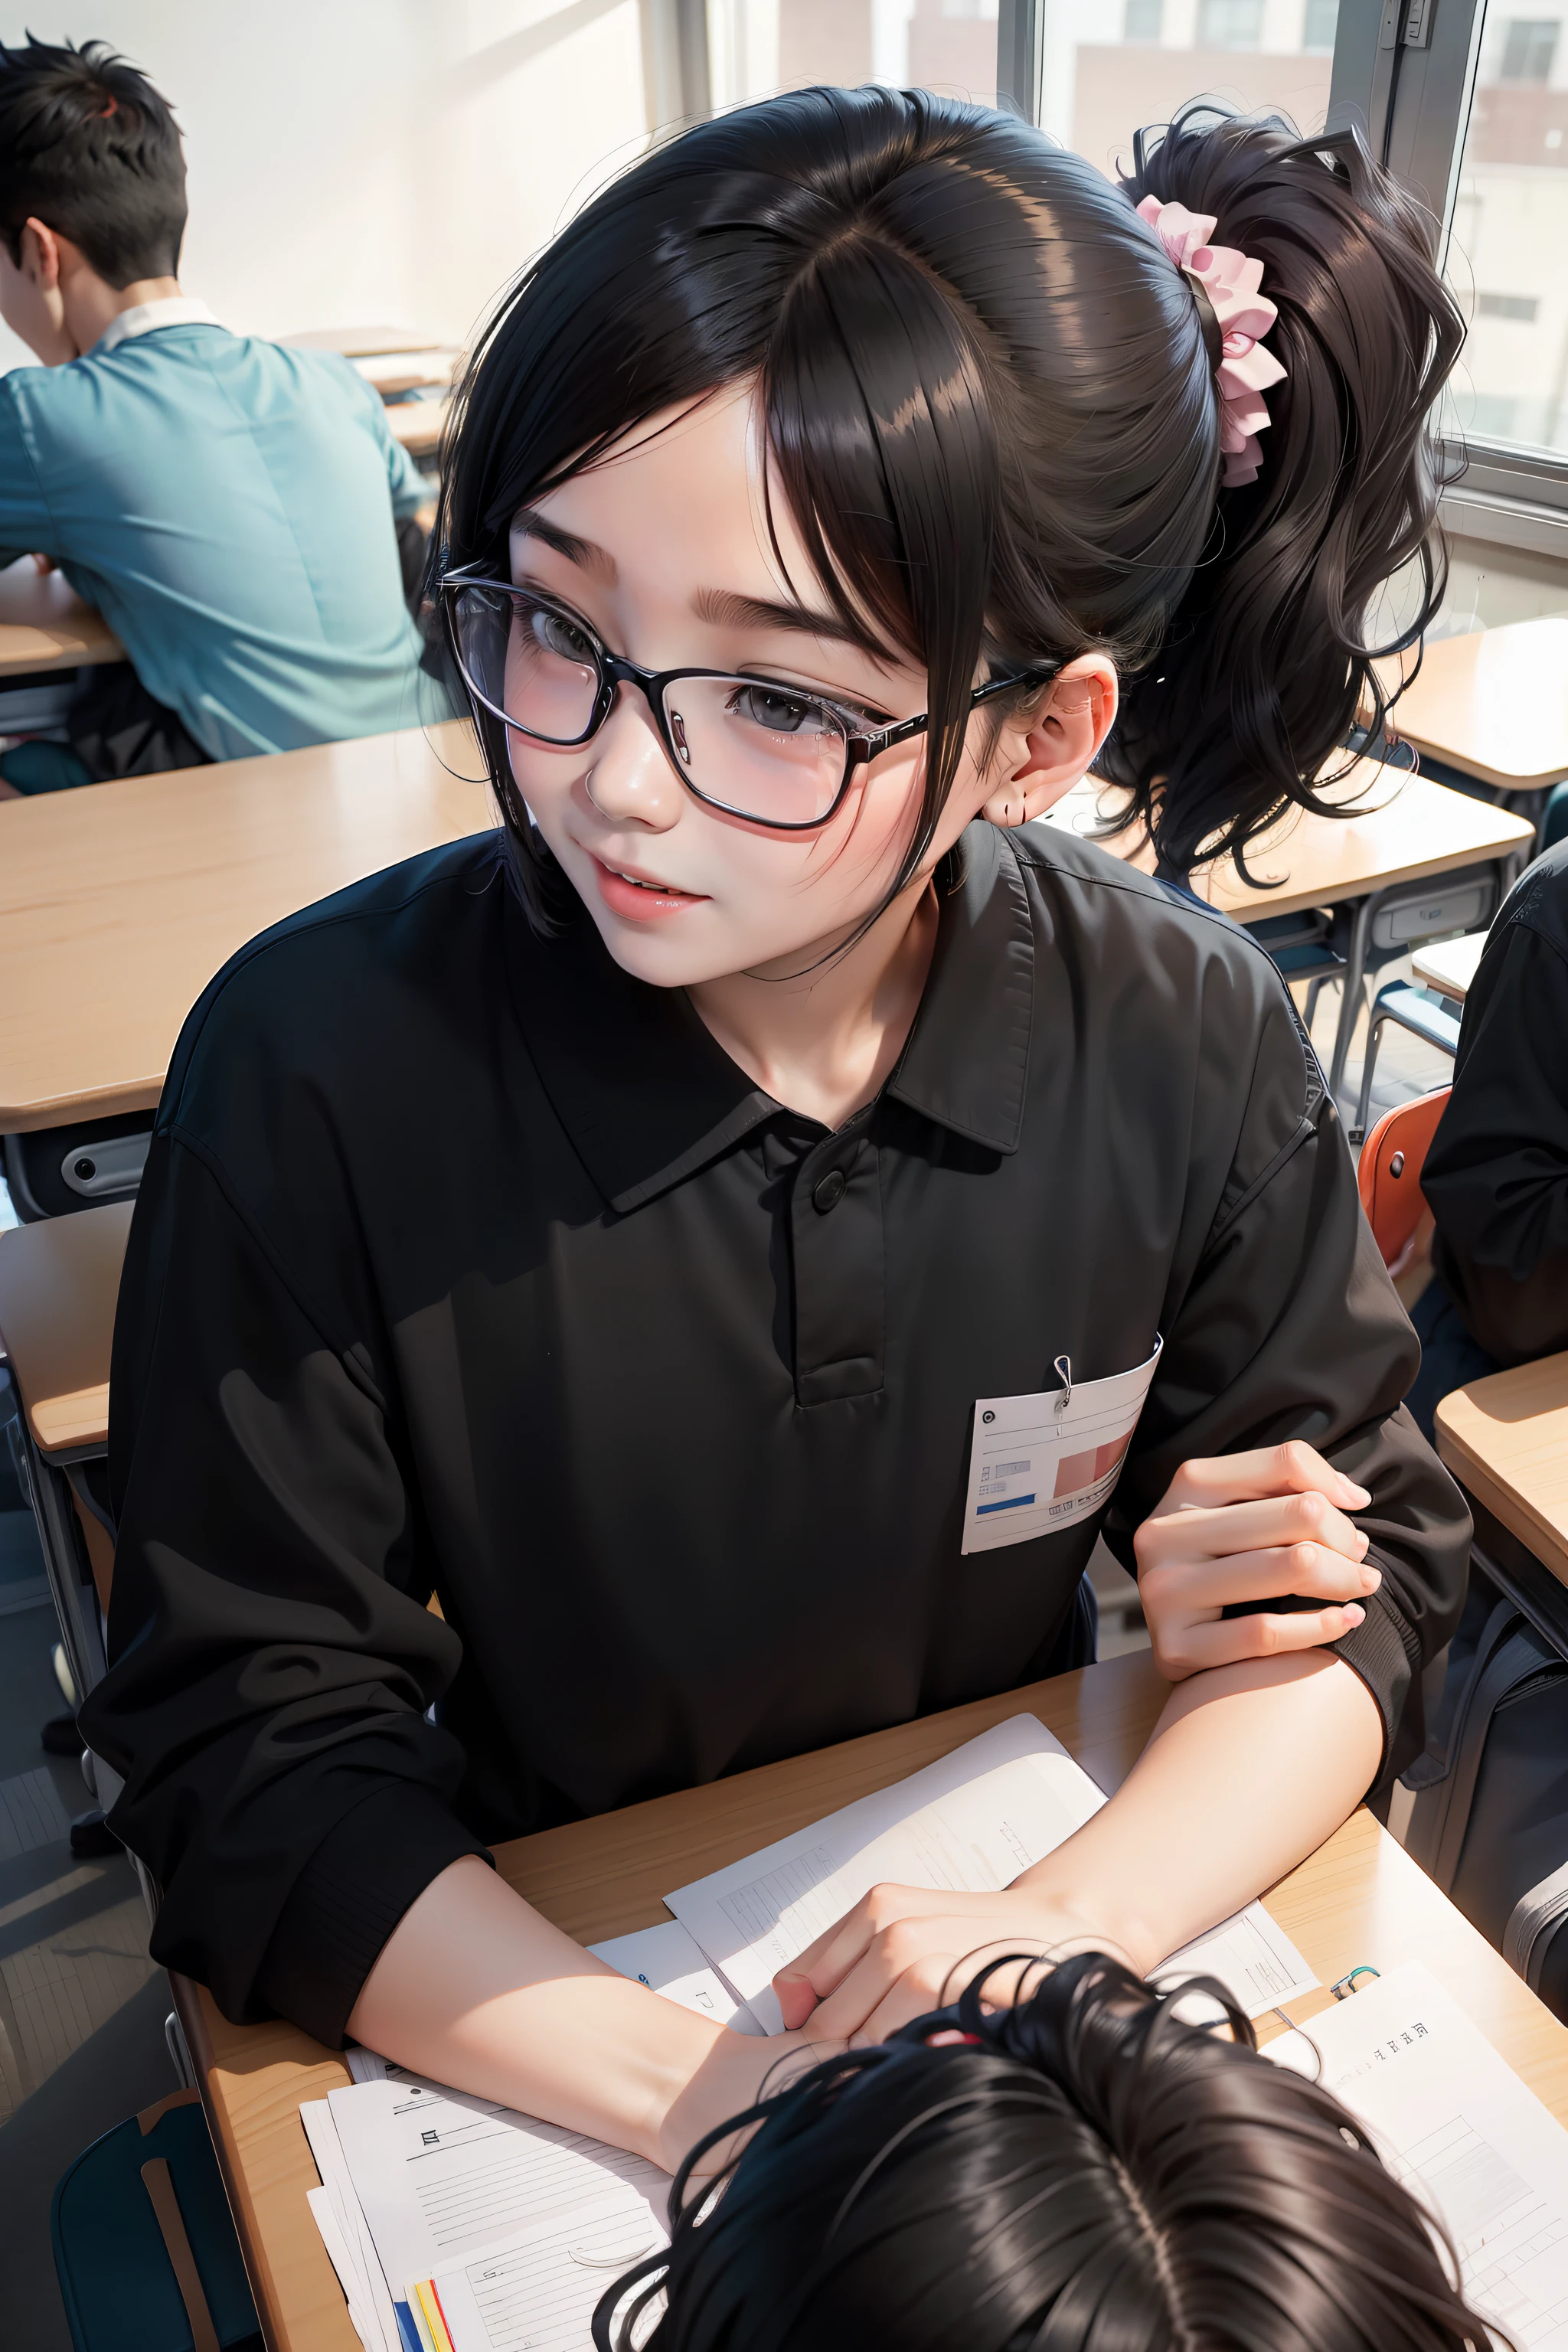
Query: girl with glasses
639,1226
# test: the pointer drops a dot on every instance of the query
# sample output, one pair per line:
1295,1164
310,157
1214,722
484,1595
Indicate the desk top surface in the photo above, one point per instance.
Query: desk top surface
1505,1438
119,902
1358,1899
1450,965
44,623
1403,828
1495,704
418,423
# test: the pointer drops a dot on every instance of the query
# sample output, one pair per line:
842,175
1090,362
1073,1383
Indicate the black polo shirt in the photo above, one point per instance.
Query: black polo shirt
466,1264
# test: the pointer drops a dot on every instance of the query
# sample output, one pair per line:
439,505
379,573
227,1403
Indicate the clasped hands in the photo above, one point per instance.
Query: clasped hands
1237,1529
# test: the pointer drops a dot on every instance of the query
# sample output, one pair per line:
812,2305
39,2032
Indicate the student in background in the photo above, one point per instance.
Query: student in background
1496,1177
229,507
1080,2172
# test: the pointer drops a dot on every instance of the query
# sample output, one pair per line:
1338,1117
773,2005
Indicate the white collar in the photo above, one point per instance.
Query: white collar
143,317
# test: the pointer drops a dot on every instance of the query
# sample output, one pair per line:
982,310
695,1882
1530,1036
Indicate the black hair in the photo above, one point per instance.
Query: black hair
992,411
89,147
1084,2172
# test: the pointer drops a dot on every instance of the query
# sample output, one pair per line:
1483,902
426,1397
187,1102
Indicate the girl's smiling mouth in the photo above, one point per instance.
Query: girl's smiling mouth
639,897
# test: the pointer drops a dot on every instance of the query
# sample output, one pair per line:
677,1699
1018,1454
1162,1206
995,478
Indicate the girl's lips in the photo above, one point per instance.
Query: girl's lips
639,902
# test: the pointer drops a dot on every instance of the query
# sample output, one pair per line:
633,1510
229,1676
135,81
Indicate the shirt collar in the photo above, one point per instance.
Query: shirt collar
649,1096
145,317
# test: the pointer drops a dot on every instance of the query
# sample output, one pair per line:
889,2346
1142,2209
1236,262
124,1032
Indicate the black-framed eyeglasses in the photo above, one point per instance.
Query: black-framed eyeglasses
753,747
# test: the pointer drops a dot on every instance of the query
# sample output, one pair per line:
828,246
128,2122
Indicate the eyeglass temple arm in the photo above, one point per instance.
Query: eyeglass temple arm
866,748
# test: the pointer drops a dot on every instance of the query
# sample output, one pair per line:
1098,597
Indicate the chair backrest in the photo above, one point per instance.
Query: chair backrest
59,1281
1389,1172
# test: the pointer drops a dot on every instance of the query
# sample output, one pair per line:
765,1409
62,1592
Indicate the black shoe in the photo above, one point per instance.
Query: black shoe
60,1736
91,1836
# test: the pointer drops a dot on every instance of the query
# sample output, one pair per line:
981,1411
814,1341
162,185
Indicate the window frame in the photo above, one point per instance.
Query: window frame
1405,70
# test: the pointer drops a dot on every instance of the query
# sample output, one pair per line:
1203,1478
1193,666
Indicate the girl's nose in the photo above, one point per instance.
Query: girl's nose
629,778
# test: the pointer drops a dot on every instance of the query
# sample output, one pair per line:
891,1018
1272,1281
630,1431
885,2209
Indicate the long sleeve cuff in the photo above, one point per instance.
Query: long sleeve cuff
1383,1650
352,1894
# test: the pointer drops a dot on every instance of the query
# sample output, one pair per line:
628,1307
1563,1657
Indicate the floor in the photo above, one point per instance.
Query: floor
81,2005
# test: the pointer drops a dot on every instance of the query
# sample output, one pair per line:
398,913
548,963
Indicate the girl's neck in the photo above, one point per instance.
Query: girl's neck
825,1041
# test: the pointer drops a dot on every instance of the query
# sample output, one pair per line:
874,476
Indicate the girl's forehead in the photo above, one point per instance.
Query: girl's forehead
684,496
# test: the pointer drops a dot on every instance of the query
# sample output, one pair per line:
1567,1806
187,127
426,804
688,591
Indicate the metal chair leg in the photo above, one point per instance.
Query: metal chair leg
1374,1035
1355,993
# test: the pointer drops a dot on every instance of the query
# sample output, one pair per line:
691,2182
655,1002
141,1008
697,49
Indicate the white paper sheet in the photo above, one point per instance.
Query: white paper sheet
971,1822
665,1958
442,2178
1455,2120
373,2306
540,2291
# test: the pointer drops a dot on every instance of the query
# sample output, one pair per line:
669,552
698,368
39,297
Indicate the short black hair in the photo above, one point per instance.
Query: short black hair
1085,2172
89,147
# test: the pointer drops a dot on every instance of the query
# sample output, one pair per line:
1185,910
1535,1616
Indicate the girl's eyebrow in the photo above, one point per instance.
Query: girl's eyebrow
725,608
585,552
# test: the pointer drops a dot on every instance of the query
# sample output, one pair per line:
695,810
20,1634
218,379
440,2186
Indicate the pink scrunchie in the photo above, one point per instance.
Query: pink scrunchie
1246,370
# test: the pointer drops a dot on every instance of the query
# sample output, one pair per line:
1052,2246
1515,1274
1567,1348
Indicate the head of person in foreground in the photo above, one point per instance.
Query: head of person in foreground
1083,2172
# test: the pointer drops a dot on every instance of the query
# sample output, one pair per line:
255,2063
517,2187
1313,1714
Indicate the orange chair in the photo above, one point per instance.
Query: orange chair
1389,1176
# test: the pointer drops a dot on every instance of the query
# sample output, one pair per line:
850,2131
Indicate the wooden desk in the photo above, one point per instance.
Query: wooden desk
118,902
418,423
361,343
1450,966
44,625
1495,704
1405,827
1358,1899
394,371
1506,1439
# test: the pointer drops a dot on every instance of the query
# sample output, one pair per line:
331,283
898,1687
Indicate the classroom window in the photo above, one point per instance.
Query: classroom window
1323,22
1230,24
758,45
1529,46
1097,89
1510,224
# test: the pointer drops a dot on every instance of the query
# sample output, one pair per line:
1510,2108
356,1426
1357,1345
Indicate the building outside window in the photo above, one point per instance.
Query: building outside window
1098,91
758,45
1508,251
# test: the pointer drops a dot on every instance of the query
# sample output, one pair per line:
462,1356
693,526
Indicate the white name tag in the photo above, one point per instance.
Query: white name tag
1038,1462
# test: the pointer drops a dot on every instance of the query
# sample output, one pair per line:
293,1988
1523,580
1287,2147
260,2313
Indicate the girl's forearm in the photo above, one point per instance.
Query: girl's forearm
475,1990
1249,1769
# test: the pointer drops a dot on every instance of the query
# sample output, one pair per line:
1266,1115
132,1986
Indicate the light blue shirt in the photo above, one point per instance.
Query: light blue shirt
229,506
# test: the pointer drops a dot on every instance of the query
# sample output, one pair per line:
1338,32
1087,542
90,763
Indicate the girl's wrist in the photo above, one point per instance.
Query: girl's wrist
1072,1918
736,2072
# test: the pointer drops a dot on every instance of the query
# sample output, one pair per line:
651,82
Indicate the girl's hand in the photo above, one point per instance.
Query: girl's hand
903,1951
1251,1527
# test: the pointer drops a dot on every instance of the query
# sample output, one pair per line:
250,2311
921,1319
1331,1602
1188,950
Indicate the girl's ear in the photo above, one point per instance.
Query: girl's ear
1041,755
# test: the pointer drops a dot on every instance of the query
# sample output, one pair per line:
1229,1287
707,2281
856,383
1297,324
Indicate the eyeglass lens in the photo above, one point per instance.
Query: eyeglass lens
761,748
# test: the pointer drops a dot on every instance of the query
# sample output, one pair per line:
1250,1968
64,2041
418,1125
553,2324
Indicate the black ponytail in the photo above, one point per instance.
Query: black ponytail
1266,661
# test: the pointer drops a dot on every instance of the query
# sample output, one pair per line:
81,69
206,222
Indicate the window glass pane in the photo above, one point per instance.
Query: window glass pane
1508,251
758,45
1102,82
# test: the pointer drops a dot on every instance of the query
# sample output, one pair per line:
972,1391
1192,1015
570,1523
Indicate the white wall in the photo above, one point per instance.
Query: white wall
374,162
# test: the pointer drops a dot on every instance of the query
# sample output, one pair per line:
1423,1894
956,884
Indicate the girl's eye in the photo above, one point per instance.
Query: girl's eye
561,636
781,712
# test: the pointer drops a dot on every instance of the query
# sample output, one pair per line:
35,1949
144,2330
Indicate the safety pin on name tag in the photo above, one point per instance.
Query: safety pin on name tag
1062,1367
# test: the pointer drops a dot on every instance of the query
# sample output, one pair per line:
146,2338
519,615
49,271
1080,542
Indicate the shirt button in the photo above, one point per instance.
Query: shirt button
829,1191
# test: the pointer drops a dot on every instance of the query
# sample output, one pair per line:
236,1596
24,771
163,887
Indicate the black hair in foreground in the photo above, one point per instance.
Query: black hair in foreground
1087,2174
89,147
992,414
